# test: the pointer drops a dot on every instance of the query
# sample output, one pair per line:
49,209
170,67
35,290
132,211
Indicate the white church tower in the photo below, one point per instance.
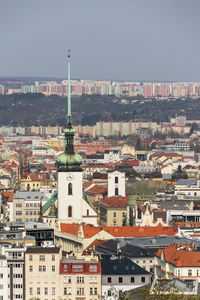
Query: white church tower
70,190
116,183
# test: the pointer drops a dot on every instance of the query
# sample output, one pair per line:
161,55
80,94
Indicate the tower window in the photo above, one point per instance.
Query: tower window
70,188
69,211
116,191
116,179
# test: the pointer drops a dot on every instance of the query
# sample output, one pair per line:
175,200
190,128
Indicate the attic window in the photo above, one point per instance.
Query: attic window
127,267
115,267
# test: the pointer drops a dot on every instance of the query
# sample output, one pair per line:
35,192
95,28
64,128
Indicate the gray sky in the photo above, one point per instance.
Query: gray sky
109,39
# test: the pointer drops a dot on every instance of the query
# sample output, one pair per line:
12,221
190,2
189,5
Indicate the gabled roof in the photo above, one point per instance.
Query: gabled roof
119,231
115,202
123,266
181,255
97,189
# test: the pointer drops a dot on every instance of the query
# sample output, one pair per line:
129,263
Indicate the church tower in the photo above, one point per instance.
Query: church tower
70,190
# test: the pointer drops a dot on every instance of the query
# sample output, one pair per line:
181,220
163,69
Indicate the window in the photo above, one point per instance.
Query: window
18,213
116,191
93,268
31,291
114,215
143,279
88,212
109,279
42,257
80,291
189,272
53,291
116,179
91,291
46,291
80,279
30,268
18,204
38,291
53,258
42,268
132,279
65,268
77,268
69,211
53,268
70,188
1,275
120,279
65,291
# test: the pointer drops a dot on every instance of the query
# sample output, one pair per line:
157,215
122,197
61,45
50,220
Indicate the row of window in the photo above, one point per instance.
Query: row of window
29,204
68,279
79,268
190,273
42,257
120,279
46,291
42,268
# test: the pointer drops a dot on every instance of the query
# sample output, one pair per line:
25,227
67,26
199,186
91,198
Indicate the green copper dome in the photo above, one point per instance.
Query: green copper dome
66,161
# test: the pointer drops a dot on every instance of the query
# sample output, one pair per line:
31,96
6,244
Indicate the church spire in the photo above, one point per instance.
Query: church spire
69,160
69,110
69,131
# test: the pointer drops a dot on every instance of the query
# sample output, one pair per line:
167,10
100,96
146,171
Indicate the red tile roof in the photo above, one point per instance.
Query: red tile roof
181,255
97,189
8,195
115,202
119,231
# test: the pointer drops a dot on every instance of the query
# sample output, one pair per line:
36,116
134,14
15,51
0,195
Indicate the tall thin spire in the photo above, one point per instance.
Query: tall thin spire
69,110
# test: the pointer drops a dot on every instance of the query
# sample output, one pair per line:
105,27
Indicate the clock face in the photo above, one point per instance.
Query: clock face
70,177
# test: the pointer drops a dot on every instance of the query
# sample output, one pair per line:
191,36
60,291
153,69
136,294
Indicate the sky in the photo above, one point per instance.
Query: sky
109,39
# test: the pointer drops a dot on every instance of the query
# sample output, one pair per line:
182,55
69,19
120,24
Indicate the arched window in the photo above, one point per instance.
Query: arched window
70,188
69,211
116,179
116,191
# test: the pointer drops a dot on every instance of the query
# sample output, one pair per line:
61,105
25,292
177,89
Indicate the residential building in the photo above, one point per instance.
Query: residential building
80,278
27,205
121,274
42,273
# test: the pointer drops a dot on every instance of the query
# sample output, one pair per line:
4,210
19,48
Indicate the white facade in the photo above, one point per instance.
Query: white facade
70,194
112,156
72,206
116,184
3,278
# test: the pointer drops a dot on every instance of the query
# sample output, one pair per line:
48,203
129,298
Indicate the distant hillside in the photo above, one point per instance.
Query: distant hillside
37,109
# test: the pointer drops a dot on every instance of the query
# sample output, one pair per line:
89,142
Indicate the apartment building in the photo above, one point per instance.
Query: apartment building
42,273
121,274
179,261
12,271
27,205
49,278
80,278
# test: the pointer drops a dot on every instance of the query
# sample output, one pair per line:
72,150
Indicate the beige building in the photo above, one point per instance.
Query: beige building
80,278
42,273
50,277
27,206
